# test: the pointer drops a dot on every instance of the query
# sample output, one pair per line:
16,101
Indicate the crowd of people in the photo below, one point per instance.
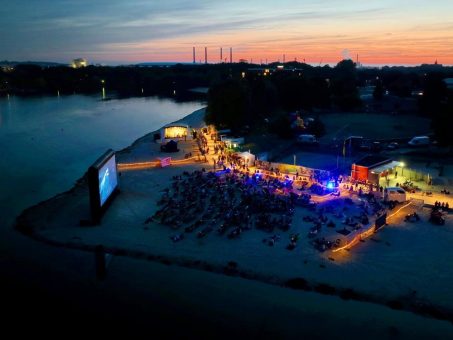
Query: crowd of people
225,201
442,205
231,202
344,217
232,199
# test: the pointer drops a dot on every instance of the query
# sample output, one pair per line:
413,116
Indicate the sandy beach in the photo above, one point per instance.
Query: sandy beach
402,263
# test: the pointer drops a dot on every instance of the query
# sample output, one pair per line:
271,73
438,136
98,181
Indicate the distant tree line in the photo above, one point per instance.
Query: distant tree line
242,97
255,100
124,81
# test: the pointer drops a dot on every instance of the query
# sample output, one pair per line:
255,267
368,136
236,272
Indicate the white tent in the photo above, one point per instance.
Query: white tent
175,131
248,157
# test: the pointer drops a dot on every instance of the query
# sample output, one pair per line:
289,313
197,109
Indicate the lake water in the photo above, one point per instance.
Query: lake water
46,143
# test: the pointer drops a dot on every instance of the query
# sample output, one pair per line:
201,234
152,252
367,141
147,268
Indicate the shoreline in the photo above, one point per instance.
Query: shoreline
184,119
231,268
403,303
80,181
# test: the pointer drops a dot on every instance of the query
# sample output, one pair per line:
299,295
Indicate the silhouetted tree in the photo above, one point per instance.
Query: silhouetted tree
227,105
434,92
317,127
378,92
319,92
263,100
345,94
281,126
442,122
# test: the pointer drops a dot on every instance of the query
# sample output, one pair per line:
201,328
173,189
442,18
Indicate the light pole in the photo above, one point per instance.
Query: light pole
103,88
402,168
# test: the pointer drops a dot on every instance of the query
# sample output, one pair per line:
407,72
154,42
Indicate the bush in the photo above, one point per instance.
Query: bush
297,283
395,304
349,294
281,126
324,288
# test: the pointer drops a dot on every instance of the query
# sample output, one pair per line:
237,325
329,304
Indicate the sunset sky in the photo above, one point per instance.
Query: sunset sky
322,31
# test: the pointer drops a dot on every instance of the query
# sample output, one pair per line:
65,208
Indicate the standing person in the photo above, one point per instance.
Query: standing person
396,174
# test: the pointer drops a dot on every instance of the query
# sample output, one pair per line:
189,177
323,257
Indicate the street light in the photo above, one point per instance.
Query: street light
103,88
402,168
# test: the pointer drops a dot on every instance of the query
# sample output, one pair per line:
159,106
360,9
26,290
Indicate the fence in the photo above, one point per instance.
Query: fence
307,174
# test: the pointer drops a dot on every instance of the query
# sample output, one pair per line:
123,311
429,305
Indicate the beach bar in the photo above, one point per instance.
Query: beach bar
174,131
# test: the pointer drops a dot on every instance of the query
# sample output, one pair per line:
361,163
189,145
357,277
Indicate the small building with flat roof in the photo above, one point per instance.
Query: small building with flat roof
370,168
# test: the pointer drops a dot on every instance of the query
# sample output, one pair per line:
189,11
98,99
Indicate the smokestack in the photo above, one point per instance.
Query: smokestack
231,55
205,55
193,54
283,59
221,57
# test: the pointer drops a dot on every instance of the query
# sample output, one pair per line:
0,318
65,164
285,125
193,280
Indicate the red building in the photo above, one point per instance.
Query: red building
369,168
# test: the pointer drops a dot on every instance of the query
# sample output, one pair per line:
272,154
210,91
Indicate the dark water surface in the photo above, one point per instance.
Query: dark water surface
46,143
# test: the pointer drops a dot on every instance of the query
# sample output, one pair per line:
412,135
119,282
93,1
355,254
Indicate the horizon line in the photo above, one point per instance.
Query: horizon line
113,63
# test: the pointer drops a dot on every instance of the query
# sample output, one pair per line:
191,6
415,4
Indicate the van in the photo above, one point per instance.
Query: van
395,194
307,139
419,141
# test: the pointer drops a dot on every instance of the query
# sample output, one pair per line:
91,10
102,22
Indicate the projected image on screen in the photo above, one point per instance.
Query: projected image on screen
107,179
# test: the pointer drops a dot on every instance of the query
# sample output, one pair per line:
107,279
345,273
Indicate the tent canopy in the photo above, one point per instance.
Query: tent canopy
175,130
247,156
170,146
385,167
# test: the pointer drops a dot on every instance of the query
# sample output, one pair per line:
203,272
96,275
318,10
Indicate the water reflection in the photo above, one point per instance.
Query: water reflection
48,142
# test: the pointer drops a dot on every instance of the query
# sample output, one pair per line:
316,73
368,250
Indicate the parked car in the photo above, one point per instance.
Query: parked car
370,146
307,139
395,194
392,146
419,141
